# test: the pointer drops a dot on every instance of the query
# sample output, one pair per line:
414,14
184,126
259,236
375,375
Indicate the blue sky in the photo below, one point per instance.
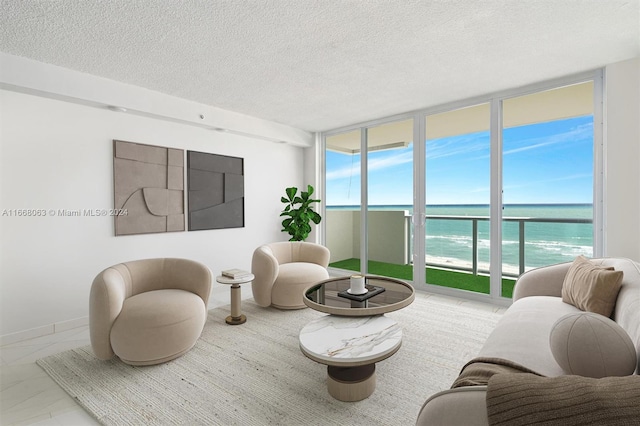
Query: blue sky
543,163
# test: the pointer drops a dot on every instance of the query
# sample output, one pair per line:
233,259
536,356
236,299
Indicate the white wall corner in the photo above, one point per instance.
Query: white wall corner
622,155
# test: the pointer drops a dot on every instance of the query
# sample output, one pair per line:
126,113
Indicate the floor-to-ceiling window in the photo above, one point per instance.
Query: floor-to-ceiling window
375,239
342,199
508,184
457,156
547,178
389,198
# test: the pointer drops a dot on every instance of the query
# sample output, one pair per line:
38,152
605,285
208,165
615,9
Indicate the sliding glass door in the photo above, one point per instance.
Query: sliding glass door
457,157
495,188
342,199
375,239
390,199
548,163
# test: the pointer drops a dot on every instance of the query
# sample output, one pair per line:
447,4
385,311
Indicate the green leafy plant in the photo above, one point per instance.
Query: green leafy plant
299,212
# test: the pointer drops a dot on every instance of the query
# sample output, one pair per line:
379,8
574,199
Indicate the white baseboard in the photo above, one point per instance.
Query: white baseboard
32,333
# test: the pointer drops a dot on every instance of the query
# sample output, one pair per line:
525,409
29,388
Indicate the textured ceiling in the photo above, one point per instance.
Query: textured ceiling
322,64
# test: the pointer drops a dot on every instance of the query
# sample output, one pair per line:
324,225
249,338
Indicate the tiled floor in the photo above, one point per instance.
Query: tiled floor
30,397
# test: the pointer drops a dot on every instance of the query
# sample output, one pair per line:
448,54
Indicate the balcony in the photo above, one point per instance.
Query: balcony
463,264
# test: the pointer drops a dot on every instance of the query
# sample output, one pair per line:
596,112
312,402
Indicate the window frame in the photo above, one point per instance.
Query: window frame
419,197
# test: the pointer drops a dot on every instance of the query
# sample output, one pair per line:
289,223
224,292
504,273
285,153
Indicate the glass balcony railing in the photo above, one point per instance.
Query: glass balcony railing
550,240
461,243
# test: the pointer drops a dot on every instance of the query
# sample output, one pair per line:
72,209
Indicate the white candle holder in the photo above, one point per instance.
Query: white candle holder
356,284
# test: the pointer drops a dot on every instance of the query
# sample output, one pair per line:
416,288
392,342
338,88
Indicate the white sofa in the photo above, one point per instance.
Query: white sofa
523,337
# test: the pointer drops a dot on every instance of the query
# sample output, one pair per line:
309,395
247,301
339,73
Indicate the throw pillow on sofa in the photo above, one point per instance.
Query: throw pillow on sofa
592,345
591,288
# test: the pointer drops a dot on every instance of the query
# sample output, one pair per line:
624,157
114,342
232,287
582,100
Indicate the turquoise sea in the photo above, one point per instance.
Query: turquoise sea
450,241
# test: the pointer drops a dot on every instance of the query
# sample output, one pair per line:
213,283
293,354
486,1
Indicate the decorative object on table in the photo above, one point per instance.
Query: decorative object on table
236,317
356,285
372,290
148,188
235,273
216,191
148,311
299,212
284,270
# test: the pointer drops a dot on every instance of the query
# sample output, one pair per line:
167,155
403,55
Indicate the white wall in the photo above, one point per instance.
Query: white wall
59,155
622,159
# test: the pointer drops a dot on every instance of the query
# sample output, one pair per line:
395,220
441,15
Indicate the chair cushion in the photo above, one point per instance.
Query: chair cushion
592,345
157,326
293,279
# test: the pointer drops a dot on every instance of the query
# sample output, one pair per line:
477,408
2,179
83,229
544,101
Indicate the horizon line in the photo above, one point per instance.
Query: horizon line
466,205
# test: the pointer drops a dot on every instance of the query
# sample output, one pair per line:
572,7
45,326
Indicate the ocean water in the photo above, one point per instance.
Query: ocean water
450,241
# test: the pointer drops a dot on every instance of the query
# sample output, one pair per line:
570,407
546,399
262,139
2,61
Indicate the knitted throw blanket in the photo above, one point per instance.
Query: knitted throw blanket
527,399
478,371
517,396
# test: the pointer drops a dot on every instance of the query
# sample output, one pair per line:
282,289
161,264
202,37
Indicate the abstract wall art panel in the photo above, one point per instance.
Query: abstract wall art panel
216,191
149,186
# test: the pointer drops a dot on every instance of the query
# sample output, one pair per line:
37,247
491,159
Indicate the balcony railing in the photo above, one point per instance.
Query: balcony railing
521,221
390,239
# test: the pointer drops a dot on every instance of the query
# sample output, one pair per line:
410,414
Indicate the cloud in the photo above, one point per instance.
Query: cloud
374,164
468,147
458,145
530,183
579,133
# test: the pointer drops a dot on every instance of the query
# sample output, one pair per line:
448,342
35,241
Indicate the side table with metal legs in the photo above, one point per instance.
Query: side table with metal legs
236,318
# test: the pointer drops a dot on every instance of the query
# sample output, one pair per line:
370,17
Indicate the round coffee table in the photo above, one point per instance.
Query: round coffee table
350,347
356,335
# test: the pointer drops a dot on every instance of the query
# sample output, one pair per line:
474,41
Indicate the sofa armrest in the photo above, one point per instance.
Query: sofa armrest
108,293
460,406
265,267
544,281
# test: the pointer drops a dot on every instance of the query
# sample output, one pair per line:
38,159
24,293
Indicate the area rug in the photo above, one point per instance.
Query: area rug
255,374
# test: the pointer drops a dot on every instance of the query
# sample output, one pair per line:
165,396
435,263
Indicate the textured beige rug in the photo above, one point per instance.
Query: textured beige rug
255,374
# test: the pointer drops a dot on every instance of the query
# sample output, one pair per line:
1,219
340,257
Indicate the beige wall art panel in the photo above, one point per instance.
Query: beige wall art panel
148,188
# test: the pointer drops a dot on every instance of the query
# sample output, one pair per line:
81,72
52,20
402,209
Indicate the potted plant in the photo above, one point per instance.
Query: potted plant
299,213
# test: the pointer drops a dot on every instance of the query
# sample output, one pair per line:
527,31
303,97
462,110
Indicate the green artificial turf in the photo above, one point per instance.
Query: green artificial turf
441,277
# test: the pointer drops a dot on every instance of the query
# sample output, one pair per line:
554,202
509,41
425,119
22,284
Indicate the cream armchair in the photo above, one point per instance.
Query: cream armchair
148,311
284,270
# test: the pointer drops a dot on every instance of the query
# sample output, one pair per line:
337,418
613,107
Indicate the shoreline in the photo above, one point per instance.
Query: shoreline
444,262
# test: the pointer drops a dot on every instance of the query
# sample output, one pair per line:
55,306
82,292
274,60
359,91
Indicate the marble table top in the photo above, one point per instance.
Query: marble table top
350,341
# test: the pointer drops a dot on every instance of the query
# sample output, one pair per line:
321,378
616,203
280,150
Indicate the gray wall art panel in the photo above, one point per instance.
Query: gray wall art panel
149,185
216,191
